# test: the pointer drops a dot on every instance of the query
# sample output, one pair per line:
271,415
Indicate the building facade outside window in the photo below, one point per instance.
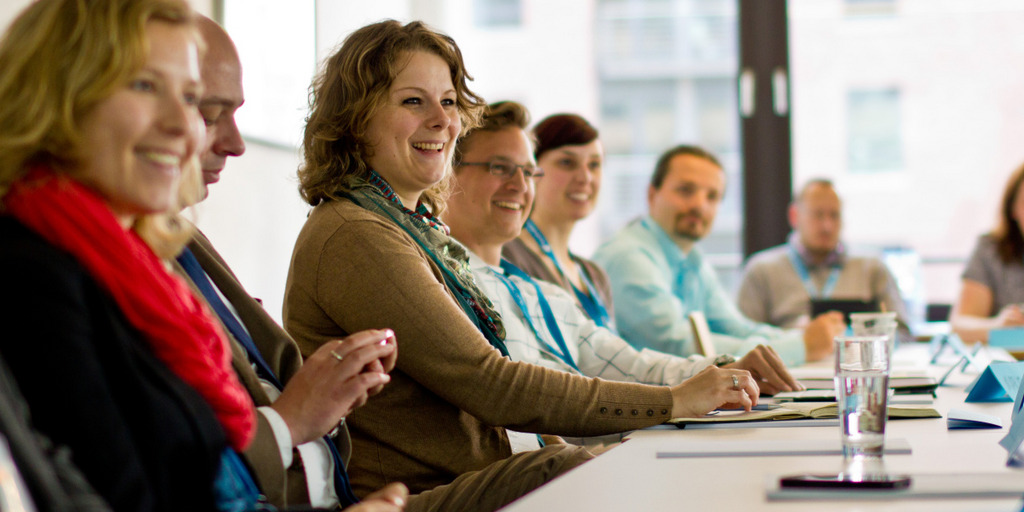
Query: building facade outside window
874,141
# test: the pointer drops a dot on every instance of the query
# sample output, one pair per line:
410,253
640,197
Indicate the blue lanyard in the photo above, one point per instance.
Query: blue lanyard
562,352
590,300
805,276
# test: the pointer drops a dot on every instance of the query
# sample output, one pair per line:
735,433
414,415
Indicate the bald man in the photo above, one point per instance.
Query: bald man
298,404
778,283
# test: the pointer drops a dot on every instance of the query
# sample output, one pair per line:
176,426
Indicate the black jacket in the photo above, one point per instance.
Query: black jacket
144,439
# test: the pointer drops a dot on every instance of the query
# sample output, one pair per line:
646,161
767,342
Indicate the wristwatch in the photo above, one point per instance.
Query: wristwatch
723,360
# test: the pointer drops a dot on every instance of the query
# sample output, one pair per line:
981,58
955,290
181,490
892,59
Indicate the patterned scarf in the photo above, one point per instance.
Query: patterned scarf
431,234
174,323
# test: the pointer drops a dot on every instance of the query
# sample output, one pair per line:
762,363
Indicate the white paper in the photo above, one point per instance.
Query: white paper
769,448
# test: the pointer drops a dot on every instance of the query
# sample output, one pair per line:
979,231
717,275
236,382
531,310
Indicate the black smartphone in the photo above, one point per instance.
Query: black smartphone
845,482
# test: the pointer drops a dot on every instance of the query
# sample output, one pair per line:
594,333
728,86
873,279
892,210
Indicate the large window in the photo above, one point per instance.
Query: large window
277,68
639,116
873,131
666,76
497,13
915,108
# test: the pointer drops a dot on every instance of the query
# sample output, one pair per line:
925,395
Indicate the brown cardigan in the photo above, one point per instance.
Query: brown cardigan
451,393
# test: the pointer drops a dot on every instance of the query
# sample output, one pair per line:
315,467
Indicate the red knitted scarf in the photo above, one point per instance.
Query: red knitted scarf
157,303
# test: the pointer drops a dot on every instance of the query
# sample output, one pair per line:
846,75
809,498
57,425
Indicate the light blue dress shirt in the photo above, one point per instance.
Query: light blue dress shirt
656,285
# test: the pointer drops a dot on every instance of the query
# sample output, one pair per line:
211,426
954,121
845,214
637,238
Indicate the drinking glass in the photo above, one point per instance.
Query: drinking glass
862,390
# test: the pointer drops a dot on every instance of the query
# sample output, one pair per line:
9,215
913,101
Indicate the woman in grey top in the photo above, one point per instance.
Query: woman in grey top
992,290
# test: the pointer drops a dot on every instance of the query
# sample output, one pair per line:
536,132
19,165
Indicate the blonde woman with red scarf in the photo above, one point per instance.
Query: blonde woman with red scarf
98,137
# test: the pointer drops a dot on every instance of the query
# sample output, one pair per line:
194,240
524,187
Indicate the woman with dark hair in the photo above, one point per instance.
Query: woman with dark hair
571,154
387,110
992,285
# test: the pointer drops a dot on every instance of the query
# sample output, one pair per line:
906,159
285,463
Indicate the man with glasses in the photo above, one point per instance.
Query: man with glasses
507,170
490,202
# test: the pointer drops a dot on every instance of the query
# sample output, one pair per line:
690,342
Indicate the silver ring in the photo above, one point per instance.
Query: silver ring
735,382
340,357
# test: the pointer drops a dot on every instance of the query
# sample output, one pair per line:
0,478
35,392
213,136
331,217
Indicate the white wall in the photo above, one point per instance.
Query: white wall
253,216
9,9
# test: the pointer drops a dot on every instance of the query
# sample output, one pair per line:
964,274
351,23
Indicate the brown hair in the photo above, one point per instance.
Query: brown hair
1007,235
661,168
58,60
559,130
496,117
350,90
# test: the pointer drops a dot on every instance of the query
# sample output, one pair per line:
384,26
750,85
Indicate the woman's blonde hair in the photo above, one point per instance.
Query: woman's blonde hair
350,90
58,60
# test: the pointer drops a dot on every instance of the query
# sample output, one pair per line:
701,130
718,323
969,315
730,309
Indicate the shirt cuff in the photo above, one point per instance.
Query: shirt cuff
282,435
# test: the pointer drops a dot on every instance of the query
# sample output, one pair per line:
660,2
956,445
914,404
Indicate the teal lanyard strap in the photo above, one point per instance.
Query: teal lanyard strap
590,300
562,352
805,276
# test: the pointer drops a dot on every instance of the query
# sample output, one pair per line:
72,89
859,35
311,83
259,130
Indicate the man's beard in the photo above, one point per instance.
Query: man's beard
689,228
819,251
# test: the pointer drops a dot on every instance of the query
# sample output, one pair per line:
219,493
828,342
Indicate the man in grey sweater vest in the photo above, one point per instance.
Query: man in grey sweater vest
778,283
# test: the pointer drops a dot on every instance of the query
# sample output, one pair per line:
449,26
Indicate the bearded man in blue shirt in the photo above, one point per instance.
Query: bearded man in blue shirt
658,275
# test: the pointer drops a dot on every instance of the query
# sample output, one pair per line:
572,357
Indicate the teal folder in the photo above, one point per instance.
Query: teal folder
998,383
1009,338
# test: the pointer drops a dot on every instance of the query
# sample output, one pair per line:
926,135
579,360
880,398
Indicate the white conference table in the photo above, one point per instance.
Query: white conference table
629,477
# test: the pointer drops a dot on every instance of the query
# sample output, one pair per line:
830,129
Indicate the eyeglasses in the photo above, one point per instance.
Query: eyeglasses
507,170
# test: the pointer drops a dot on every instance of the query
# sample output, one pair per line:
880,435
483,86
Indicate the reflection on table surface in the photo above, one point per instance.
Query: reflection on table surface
632,477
